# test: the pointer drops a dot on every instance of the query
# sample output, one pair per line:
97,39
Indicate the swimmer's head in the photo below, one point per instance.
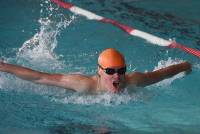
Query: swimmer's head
111,70
110,58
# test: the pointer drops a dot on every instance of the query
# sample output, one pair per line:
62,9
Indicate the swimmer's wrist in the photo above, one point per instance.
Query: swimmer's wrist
187,67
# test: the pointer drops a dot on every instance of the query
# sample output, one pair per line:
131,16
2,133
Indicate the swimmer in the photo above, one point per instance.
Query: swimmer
111,75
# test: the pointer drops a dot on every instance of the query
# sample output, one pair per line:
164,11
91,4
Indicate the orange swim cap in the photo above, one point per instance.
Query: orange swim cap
111,58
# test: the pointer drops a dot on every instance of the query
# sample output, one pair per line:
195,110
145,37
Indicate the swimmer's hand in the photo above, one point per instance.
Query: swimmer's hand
188,67
2,64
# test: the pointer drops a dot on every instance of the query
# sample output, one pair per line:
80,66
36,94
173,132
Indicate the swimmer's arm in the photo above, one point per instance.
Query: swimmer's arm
19,71
70,81
145,79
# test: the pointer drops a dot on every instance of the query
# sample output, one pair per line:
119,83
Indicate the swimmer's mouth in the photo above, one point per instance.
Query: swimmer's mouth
116,84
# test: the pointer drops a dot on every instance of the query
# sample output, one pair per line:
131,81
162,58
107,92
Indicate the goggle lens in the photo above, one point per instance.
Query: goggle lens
111,71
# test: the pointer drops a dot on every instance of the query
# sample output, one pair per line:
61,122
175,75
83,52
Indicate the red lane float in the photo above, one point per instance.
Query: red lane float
132,31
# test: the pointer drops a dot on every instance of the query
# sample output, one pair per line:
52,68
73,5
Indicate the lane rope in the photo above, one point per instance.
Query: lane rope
131,31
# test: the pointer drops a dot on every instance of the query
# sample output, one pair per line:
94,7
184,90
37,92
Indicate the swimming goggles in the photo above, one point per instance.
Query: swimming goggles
111,71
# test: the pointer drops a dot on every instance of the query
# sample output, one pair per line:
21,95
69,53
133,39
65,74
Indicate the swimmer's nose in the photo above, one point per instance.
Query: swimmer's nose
116,76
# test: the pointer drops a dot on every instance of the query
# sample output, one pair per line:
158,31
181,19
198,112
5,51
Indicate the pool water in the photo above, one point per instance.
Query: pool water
42,36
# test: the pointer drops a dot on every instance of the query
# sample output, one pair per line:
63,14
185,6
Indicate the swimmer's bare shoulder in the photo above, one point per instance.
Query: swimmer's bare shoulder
79,82
134,79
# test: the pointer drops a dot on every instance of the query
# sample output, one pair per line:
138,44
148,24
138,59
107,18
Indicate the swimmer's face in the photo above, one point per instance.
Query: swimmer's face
112,78
112,70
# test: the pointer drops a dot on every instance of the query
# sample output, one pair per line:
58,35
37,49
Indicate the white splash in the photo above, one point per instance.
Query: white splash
168,62
40,48
107,99
38,51
163,64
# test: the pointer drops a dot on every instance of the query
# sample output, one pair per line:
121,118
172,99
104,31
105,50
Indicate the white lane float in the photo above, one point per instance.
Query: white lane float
131,31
